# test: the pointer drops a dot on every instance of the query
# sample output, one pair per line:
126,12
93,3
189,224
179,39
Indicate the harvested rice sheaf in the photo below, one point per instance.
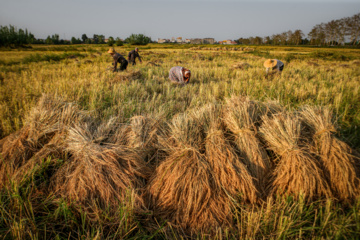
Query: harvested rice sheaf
142,135
240,116
297,171
197,185
51,116
337,158
101,172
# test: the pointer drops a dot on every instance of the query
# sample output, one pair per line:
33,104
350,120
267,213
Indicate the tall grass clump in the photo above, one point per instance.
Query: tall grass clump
341,166
241,116
296,170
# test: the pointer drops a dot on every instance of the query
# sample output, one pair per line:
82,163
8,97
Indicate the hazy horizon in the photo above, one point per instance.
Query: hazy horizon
226,19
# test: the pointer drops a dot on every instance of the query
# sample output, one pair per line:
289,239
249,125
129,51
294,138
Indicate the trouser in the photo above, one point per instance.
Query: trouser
123,65
133,62
281,68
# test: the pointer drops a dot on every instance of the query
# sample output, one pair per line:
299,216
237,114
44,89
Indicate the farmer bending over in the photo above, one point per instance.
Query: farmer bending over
179,75
274,64
133,55
118,59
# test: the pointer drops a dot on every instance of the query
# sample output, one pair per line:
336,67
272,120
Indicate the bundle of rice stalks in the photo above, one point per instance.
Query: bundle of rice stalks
241,65
273,107
51,116
196,186
153,64
229,172
49,154
339,163
143,135
105,173
297,171
126,77
105,131
240,116
16,150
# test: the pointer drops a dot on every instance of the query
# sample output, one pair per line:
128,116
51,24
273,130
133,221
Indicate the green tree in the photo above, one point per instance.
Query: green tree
84,38
101,39
95,39
49,40
138,39
111,41
118,42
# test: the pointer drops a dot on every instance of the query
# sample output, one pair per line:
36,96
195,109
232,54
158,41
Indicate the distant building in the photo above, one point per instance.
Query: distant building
160,40
208,41
202,41
196,41
227,42
187,40
179,40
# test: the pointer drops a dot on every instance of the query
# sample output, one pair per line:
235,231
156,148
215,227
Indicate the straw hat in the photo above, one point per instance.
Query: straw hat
270,63
111,50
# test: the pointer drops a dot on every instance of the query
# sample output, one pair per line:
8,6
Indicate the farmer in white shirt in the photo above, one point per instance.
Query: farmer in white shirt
273,64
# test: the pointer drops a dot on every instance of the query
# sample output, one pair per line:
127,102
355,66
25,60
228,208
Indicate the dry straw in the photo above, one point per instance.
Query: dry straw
297,171
125,77
339,163
240,116
241,65
95,170
196,186
50,117
143,135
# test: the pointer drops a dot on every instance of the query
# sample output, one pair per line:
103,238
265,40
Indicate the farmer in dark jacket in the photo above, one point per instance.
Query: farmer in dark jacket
118,59
133,55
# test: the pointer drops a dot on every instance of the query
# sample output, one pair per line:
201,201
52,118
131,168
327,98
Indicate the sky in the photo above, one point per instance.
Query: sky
219,19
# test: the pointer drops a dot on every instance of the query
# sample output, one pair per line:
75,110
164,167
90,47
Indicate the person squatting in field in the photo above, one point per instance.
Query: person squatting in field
274,64
118,58
179,75
133,55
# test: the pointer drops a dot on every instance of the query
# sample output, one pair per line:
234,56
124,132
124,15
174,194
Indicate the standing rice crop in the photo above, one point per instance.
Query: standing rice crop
337,158
296,171
240,116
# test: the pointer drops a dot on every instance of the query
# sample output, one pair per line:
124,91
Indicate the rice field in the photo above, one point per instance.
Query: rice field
91,154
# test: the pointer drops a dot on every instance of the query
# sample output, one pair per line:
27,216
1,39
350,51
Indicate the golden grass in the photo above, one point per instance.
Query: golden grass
193,155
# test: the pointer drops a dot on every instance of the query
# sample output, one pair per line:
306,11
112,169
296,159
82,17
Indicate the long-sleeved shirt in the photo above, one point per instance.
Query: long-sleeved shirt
279,66
133,55
118,58
176,75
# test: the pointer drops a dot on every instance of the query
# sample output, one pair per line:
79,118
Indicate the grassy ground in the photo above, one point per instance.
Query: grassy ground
312,76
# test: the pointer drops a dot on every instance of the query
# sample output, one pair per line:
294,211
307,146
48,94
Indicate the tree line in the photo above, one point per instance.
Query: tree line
336,32
11,36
